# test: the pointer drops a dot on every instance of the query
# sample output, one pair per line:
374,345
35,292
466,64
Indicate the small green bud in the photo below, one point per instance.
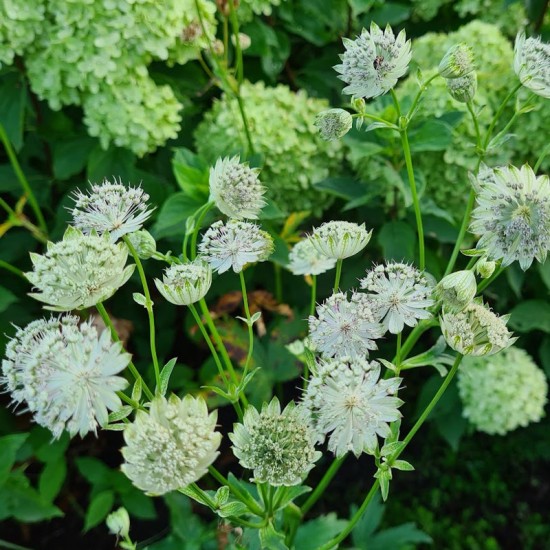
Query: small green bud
463,89
333,124
359,104
457,62
485,268
144,243
118,523
456,291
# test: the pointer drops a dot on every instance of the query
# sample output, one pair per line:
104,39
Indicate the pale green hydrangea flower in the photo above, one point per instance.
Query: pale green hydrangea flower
184,284
305,259
339,239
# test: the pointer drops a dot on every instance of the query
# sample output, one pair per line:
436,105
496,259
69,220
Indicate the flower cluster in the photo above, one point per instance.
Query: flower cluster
339,239
184,284
305,259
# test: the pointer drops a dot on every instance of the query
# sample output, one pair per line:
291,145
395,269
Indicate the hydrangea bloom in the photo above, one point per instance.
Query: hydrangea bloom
346,399
334,123
236,189
305,259
171,446
456,290
339,240
532,64
344,328
502,392
457,62
79,271
184,284
65,373
512,215
373,62
234,244
399,294
278,446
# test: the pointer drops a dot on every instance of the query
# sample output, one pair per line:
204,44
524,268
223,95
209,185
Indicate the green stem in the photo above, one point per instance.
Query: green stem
542,156
338,274
249,324
127,399
238,50
16,271
313,295
251,150
109,324
398,353
201,213
323,484
9,210
422,89
376,118
486,282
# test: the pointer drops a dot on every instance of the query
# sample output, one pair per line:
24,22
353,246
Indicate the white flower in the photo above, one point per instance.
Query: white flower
456,290
532,64
344,328
333,123
373,62
305,259
464,88
401,295
65,374
235,244
347,400
502,392
278,446
457,62
184,284
512,215
171,446
476,330
79,271
111,208
236,189
339,240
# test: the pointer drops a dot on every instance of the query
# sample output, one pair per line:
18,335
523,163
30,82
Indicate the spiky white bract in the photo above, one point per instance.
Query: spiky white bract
464,88
476,330
339,239
333,123
305,259
457,62
234,244
65,373
512,215
532,64
350,405
111,208
184,284
502,392
456,290
400,295
373,62
79,271
236,189
170,446
344,328
279,447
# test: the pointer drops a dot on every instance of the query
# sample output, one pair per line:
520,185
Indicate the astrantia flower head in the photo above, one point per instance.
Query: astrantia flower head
347,400
373,62
333,123
111,208
171,446
464,88
184,284
278,446
512,215
339,240
457,62
532,64
79,271
476,330
399,294
65,373
234,244
236,189
502,392
457,290
305,259
344,328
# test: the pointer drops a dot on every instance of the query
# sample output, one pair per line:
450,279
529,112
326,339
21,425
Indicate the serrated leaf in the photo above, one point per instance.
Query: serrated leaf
384,479
165,375
123,412
391,448
222,495
402,465
235,509
292,493
270,538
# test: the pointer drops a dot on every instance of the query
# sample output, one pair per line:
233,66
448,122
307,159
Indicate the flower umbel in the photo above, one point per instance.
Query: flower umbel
184,284
235,244
373,62
532,64
305,259
65,373
333,123
339,240
346,399
79,271
171,446
278,446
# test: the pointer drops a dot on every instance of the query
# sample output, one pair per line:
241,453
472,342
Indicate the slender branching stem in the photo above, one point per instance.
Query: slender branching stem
338,274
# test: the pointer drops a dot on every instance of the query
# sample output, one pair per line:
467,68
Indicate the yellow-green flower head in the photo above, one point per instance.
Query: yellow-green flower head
457,62
456,291
374,62
350,405
170,446
339,240
235,244
79,271
118,522
464,88
476,330
236,189
532,64
184,284
502,392
305,259
65,374
144,243
333,123
279,447
512,214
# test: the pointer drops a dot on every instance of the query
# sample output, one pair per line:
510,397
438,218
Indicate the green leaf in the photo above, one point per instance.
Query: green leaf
271,539
9,444
531,315
384,477
70,156
235,509
13,100
544,272
192,174
137,389
392,448
291,493
123,412
99,508
115,160
52,478
93,470
165,375
6,299
402,465
369,522
173,215
318,531
398,240
389,13
406,535
345,188
431,135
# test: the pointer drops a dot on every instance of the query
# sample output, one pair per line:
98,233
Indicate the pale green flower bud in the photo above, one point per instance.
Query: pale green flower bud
118,523
184,284
485,268
456,291
532,64
359,104
333,123
463,89
244,40
144,243
457,62
339,239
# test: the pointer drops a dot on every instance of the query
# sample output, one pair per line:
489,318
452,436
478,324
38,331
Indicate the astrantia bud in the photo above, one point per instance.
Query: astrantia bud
118,522
244,41
305,259
532,64
184,284
457,62
463,89
485,268
236,189
333,123
339,240
144,243
456,291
